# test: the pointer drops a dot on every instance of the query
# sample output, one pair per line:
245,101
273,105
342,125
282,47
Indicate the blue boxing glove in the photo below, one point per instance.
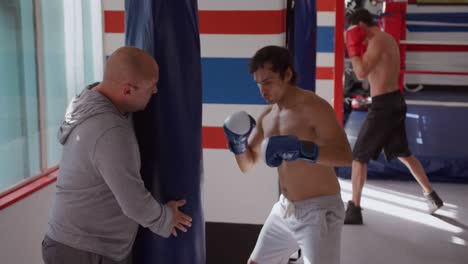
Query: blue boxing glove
237,128
278,148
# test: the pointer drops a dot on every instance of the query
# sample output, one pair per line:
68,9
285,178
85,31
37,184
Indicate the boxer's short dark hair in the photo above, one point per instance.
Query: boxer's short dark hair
279,58
360,15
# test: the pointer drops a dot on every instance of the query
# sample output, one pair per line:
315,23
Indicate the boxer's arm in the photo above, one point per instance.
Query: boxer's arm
362,66
248,159
331,138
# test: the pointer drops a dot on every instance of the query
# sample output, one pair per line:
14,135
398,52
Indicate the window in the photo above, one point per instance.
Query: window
50,50
19,131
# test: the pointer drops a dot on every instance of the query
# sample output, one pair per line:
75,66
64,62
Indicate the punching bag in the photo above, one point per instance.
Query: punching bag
305,36
169,129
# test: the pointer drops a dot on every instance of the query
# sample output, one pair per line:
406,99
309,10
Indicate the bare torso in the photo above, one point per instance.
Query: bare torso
383,78
300,179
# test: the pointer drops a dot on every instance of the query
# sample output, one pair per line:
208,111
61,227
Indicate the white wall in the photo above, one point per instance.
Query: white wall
233,197
22,227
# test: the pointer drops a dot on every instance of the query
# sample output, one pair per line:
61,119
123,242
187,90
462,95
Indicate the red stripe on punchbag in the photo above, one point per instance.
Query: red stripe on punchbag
114,21
242,22
213,138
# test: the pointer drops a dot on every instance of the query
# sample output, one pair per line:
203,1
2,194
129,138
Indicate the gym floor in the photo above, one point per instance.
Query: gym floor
397,228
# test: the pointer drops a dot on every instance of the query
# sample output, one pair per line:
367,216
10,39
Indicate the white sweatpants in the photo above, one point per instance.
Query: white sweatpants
313,225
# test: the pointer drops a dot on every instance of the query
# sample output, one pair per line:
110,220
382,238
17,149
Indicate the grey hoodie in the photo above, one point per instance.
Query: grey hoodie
101,197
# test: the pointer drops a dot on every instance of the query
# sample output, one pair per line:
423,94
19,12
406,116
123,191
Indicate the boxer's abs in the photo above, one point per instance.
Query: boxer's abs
384,77
382,83
301,180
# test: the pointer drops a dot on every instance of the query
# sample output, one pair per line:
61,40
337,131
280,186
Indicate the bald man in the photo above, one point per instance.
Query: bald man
101,198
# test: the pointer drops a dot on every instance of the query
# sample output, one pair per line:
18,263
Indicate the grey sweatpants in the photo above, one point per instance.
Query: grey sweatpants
54,252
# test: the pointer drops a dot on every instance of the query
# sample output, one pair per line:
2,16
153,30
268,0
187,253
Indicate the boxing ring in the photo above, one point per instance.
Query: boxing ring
434,132
433,42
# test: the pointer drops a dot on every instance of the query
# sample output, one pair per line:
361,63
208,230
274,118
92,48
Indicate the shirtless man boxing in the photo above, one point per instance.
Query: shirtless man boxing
299,134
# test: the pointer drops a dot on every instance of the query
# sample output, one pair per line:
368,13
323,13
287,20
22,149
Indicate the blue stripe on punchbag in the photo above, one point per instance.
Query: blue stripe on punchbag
228,81
325,39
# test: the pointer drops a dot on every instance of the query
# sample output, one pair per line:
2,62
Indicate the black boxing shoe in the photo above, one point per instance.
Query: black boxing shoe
353,215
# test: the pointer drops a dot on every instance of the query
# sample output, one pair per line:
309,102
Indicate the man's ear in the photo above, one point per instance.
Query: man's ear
362,25
288,75
127,89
